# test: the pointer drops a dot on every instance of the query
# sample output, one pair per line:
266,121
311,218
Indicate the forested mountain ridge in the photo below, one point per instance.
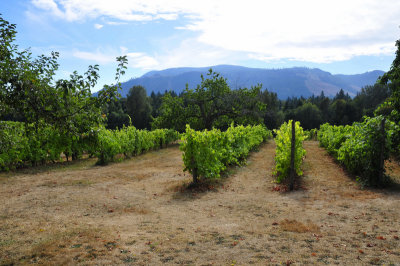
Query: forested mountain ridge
286,82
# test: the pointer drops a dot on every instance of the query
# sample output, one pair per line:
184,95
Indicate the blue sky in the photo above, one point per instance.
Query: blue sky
338,36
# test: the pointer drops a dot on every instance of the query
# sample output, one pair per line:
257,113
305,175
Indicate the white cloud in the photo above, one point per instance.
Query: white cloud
195,54
308,30
116,23
98,26
106,56
97,57
48,5
141,60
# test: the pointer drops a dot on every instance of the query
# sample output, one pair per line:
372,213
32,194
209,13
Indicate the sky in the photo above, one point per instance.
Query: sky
339,36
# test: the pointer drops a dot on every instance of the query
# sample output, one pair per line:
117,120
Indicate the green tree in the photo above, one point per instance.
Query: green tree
273,117
343,112
309,116
28,88
392,79
211,104
172,114
155,101
138,107
116,114
369,98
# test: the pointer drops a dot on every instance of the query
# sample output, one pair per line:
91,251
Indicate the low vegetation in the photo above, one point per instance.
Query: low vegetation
283,142
362,147
207,153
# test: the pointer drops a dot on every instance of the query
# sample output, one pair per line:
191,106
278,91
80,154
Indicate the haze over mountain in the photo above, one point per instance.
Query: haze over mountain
287,82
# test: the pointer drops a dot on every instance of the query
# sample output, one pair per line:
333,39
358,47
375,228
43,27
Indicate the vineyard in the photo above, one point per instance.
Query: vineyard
141,211
212,176
49,145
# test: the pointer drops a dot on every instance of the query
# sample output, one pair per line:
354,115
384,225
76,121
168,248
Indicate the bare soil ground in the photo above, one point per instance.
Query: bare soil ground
141,212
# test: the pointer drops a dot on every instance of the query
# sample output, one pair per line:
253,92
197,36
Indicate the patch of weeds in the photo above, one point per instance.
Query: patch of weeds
83,183
254,248
110,245
375,261
324,259
152,247
129,259
237,237
130,243
167,259
185,262
76,246
5,243
285,249
220,240
309,243
92,254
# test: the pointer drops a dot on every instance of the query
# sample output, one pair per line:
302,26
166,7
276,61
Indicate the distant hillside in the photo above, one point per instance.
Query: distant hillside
297,81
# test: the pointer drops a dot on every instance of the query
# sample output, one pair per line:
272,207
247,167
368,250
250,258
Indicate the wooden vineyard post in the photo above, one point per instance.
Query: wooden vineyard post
292,151
382,152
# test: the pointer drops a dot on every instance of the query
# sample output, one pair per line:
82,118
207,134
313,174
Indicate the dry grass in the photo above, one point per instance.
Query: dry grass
298,227
143,211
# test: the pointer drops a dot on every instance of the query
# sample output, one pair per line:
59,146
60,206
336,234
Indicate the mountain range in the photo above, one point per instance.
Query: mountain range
286,82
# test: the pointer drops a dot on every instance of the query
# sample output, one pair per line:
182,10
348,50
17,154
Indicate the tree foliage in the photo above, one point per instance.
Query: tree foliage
29,89
212,104
392,79
138,107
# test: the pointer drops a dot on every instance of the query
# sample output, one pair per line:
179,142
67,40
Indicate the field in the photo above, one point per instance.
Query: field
141,211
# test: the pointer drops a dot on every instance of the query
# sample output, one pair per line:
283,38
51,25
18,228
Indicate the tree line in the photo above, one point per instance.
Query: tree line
169,110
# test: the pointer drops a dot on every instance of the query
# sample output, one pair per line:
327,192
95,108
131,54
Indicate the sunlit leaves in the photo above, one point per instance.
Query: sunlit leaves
358,147
130,141
210,151
283,150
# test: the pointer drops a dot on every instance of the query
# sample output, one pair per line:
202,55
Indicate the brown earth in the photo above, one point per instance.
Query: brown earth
141,212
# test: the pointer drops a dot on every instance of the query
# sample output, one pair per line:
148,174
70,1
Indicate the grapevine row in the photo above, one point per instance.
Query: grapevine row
207,153
361,147
22,144
130,142
283,141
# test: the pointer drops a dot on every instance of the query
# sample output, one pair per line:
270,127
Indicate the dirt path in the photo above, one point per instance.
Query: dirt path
138,212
